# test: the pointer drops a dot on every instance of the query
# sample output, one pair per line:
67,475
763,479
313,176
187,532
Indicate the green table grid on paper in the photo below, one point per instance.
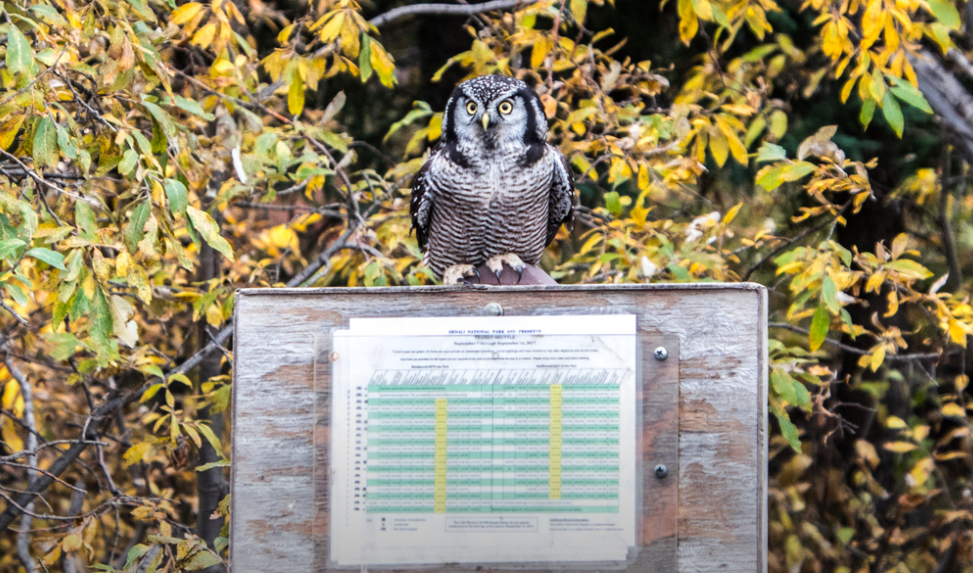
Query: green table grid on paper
493,448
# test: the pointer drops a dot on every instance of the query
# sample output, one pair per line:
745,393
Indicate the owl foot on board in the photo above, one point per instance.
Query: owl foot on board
458,273
495,264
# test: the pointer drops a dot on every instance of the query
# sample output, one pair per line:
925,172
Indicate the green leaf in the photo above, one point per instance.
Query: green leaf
613,203
771,152
16,292
20,57
802,396
177,194
783,385
101,326
909,269
207,433
679,272
819,327
892,113
771,178
945,11
201,560
129,161
135,229
50,257
164,119
64,142
85,218
9,247
868,111
829,294
209,230
788,430
192,107
64,343
421,109
134,553
48,13
909,94
365,57
211,465
45,144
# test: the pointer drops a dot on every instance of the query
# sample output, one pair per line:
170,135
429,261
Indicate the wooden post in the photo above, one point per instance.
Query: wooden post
722,412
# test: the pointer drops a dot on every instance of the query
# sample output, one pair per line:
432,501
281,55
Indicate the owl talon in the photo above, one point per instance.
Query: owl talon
496,262
458,273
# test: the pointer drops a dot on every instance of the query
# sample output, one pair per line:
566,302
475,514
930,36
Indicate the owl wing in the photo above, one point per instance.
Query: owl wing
560,207
420,207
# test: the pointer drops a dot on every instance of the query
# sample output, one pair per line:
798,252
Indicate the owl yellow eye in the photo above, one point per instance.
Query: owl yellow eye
506,107
471,108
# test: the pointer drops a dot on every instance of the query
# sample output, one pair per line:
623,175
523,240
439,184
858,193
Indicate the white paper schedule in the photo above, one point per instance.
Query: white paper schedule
483,440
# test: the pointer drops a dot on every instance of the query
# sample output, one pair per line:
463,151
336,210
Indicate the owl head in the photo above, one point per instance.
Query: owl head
496,110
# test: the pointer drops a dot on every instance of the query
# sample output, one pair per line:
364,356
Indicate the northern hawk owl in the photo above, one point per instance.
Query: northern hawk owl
493,190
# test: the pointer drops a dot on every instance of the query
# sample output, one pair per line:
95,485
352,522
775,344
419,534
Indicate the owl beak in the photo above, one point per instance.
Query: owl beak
486,120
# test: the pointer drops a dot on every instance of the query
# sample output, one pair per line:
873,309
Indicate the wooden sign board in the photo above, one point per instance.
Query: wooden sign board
708,514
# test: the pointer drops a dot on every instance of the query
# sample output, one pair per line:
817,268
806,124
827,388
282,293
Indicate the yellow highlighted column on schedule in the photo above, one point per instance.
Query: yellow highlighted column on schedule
555,431
439,491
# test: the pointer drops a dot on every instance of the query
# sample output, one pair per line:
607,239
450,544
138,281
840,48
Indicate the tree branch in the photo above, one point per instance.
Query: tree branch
26,391
859,351
446,9
947,97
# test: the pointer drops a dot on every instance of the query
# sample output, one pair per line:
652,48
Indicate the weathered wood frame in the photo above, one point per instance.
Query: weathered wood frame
722,474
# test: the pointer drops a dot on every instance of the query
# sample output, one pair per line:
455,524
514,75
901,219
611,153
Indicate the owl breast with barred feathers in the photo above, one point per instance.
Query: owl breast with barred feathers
493,190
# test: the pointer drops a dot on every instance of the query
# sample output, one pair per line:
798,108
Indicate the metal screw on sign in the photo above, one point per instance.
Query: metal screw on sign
661,471
661,353
493,309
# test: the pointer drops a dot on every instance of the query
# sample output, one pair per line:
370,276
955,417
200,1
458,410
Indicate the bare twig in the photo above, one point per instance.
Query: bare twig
446,10
859,351
13,312
946,227
26,392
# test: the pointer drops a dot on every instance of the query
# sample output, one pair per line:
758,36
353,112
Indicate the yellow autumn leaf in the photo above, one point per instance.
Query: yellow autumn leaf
350,43
204,37
893,304
956,332
9,128
953,410
895,423
736,146
874,283
185,13
295,96
332,29
718,146
899,447
214,316
877,357
539,52
435,127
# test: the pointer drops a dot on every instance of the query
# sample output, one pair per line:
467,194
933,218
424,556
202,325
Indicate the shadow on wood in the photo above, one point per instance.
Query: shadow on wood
533,275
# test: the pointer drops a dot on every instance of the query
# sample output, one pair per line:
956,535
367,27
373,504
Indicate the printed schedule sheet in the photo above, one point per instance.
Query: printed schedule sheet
483,440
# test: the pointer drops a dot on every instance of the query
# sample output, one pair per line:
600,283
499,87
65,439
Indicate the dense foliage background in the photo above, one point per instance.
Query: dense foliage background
155,155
